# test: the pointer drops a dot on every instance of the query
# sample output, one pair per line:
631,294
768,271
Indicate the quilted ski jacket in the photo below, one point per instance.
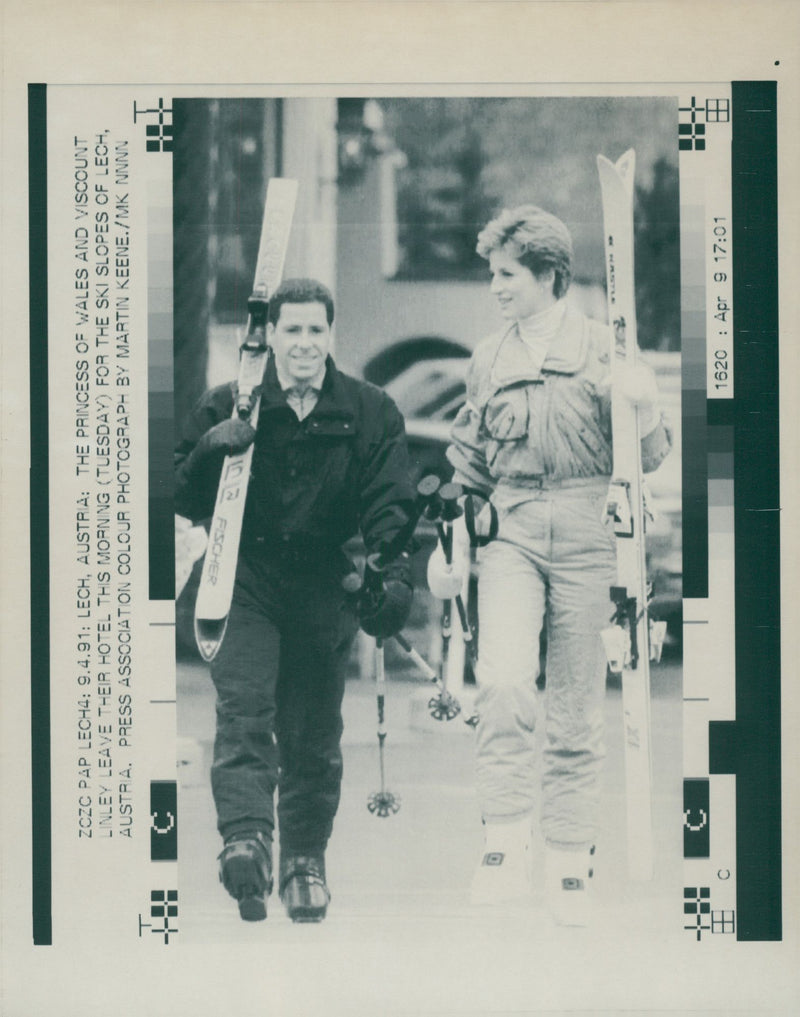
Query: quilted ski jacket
520,423
313,482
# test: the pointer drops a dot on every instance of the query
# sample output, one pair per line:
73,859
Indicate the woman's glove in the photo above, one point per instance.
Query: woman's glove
638,385
445,581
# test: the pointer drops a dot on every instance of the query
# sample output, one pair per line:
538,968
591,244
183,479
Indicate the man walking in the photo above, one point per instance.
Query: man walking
330,459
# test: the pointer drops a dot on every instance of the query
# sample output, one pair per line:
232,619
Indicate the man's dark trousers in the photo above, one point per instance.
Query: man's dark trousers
279,677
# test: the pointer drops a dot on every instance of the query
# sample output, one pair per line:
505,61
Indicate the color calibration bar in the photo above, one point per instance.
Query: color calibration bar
708,686
732,793
160,378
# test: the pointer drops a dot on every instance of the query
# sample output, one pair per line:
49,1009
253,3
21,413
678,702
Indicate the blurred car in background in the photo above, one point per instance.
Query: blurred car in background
426,377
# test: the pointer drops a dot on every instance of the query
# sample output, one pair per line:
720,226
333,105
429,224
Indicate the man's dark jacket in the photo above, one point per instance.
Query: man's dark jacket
314,482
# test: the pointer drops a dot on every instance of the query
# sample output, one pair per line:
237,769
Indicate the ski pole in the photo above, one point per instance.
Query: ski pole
446,705
382,803
448,497
427,490
417,657
370,585
449,510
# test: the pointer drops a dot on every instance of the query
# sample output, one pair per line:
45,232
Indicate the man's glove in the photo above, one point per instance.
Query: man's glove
384,603
224,439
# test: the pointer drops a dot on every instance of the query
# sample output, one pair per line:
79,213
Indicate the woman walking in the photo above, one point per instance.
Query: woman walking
535,434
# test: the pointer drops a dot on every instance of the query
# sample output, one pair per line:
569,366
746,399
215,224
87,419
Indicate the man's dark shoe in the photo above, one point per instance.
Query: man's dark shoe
303,890
245,870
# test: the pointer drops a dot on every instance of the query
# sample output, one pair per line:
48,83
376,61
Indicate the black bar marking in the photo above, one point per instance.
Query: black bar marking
750,746
696,818
163,820
39,484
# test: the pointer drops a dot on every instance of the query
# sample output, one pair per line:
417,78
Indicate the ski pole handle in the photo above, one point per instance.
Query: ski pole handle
470,518
253,350
444,531
450,495
427,490
451,510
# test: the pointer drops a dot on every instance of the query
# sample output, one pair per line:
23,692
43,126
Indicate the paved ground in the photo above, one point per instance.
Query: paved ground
399,910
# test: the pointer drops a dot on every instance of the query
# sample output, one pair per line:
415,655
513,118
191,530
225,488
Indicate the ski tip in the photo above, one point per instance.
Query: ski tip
208,634
626,164
624,167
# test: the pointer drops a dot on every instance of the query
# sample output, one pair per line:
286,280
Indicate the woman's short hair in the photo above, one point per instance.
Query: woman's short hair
539,241
300,291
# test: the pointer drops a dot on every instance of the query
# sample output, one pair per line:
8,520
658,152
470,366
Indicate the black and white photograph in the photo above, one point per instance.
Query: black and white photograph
397,616
450,479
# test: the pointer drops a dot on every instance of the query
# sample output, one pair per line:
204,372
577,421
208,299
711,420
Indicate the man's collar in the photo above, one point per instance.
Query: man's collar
334,397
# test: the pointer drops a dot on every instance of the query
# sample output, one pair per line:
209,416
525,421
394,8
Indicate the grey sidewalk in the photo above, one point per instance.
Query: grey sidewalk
413,868
400,938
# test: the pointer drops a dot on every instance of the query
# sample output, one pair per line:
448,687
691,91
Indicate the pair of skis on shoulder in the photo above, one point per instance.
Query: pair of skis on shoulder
632,639
219,567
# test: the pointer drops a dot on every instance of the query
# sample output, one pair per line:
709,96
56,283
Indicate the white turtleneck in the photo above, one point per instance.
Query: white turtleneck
539,330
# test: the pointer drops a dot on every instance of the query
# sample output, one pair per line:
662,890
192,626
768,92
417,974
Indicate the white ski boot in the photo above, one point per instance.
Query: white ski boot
567,875
504,873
